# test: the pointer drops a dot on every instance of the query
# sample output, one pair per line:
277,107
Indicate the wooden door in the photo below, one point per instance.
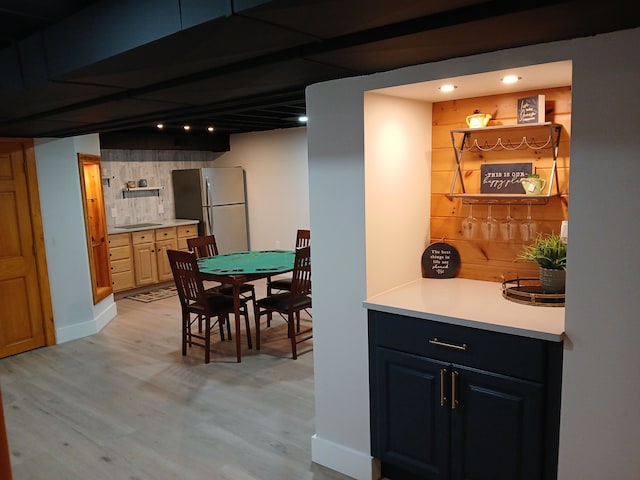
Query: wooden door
95,225
164,267
144,259
25,299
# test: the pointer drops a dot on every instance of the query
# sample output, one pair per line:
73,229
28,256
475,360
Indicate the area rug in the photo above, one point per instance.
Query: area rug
153,295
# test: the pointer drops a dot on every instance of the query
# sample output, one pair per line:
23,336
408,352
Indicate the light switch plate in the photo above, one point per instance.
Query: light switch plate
160,208
114,212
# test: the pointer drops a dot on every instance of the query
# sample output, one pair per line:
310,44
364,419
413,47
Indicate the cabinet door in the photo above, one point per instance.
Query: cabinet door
164,268
497,427
146,270
410,413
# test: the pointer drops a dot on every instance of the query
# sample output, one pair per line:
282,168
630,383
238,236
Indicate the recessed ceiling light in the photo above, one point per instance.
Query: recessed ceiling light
210,129
187,128
303,119
159,126
511,79
448,88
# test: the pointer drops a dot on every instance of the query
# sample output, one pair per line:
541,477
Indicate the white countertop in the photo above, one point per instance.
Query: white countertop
470,303
172,222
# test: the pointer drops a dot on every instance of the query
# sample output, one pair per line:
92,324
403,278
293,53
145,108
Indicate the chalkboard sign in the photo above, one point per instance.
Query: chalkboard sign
531,109
503,177
440,260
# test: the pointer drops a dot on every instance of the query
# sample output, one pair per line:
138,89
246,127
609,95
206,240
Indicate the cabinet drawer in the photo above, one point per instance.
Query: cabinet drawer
165,233
182,244
145,236
497,352
118,240
119,253
188,230
123,265
122,281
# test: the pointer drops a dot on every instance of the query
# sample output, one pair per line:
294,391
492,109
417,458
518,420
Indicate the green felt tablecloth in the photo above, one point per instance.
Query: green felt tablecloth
245,263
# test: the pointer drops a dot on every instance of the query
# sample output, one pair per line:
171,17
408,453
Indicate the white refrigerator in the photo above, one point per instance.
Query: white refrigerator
216,197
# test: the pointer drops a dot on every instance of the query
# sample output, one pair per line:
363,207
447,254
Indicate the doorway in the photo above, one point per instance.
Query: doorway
95,225
27,314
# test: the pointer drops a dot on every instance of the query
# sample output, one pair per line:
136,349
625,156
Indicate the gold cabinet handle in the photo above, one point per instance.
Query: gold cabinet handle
435,341
443,397
454,380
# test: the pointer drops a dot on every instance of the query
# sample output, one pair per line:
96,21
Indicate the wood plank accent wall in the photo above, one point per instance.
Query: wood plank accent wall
490,259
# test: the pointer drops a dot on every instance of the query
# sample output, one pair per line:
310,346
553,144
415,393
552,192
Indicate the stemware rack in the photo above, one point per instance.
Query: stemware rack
539,136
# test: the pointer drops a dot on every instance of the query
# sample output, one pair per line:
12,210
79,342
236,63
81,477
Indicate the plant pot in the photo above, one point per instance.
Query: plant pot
552,281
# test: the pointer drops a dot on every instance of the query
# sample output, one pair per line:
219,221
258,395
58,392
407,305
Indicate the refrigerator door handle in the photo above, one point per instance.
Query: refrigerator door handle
209,225
207,192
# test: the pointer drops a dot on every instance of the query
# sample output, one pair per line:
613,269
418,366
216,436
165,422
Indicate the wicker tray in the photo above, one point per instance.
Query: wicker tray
529,292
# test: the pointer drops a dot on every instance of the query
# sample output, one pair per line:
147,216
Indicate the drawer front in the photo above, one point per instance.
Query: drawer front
119,253
182,244
188,230
144,236
165,233
122,281
118,240
496,352
124,265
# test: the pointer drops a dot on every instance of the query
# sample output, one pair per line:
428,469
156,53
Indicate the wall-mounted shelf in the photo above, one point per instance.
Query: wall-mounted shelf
141,189
538,136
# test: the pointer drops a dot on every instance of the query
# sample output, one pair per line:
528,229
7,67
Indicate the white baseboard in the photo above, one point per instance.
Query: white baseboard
104,317
355,464
75,331
91,327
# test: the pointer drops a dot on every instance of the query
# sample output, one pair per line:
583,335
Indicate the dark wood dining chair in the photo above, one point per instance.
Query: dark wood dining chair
205,246
289,304
198,305
303,239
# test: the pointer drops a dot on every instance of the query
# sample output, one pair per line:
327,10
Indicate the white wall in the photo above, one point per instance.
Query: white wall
397,154
74,313
599,434
276,173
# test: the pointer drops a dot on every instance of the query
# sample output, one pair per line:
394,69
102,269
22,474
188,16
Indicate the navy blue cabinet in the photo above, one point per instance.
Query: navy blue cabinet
451,402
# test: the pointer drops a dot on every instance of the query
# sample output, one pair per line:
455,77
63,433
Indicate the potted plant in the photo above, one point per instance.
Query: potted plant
550,253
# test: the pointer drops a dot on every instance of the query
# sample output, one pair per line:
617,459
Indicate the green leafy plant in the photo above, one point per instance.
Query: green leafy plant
548,251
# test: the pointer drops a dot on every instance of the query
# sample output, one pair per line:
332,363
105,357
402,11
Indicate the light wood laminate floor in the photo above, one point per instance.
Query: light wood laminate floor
124,404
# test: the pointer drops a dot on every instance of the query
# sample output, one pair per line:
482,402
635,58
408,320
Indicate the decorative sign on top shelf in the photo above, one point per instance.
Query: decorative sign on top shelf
503,177
531,109
440,260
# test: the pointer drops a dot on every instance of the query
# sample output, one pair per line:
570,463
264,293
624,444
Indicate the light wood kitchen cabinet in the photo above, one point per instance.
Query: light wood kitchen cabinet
140,259
150,257
144,257
185,232
165,239
121,262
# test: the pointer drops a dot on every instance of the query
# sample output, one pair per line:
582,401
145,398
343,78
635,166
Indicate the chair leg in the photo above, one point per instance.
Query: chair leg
298,321
221,327
256,316
247,326
227,319
292,334
185,327
207,340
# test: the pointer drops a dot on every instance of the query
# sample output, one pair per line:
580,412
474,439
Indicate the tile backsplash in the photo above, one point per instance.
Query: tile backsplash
120,166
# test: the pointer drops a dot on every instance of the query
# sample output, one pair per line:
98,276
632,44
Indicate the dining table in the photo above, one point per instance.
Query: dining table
238,268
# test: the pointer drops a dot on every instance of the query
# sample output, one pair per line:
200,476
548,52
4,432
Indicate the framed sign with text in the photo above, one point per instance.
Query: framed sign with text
503,177
440,260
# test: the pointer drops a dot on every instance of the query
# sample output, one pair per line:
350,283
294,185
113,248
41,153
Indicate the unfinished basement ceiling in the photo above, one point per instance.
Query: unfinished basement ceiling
77,67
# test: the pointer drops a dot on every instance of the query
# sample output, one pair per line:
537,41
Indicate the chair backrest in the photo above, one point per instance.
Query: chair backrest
204,246
186,276
303,238
301,279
